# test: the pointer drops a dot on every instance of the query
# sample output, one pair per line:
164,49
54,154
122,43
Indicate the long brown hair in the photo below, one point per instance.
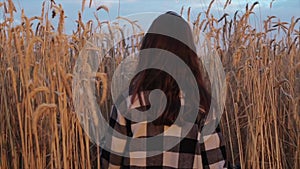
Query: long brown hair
150,79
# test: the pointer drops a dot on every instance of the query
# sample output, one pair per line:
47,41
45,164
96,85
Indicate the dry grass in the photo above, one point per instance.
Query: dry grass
39,128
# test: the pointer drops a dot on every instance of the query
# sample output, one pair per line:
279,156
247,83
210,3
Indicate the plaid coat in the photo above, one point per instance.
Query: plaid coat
189,153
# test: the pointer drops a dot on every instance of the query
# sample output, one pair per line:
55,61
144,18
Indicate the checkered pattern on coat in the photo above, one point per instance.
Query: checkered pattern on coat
189,153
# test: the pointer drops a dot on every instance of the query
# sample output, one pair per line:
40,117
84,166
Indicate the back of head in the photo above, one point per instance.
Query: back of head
169,32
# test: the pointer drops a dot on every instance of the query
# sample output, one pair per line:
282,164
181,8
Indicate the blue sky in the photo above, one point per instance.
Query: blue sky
283,9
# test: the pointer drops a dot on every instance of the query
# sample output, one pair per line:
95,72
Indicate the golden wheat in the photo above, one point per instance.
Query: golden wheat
40,129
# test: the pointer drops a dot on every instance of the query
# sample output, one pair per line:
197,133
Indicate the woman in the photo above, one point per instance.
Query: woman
169,32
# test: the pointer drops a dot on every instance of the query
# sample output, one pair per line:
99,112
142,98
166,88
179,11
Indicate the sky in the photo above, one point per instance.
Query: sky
283,9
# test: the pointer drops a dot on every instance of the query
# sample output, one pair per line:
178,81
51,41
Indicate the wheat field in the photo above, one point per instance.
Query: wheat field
39,128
